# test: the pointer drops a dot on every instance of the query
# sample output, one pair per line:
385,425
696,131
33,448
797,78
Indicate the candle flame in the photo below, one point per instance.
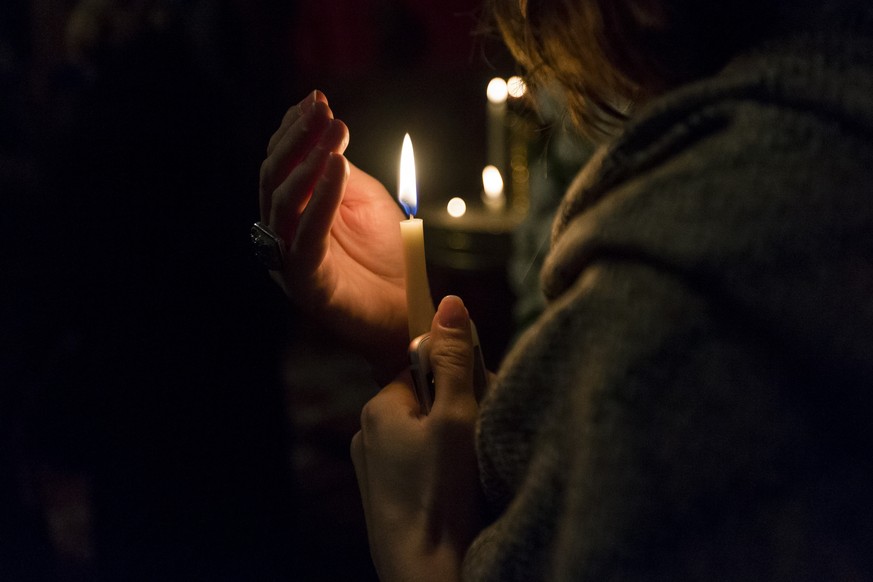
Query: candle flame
406,191
497,90
492,182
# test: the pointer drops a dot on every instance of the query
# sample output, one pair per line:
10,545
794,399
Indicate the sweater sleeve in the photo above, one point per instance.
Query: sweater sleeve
677,437
657,435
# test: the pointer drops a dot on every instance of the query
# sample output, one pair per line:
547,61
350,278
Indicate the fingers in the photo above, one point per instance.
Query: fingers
451,359
293,147
303,127
394,405
381,453
290,198
292,115
359,462
311,241
296,141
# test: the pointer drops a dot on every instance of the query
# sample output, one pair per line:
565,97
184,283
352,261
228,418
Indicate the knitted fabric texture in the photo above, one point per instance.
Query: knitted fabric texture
695,401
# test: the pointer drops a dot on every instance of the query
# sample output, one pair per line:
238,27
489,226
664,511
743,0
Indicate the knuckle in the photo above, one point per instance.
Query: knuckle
342,133
370,415
266,173
379,411
452,356
280,200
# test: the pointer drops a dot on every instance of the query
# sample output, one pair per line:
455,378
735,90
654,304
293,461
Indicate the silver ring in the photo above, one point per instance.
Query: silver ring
269,249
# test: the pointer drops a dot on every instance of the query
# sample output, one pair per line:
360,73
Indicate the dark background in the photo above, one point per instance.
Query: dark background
164,415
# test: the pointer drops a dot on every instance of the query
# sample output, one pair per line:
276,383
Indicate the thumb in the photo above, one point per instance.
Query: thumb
451,355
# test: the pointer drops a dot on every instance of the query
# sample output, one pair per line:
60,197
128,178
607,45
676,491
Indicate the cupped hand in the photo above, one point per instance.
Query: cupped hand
343,260
417,474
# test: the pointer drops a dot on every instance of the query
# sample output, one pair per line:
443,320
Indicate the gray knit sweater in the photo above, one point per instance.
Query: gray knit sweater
697,400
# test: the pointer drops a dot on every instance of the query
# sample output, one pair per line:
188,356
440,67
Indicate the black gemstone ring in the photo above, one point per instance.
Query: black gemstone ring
269,248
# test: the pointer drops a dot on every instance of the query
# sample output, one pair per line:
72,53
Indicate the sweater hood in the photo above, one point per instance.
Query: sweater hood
755,186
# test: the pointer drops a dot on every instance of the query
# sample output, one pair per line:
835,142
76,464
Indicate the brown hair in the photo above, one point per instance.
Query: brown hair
606,54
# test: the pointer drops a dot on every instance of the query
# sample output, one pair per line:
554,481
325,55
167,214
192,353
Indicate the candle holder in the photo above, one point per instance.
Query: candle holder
478,240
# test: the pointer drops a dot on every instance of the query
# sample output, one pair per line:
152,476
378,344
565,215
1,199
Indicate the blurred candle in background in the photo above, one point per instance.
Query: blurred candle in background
497,93
492,189
520,132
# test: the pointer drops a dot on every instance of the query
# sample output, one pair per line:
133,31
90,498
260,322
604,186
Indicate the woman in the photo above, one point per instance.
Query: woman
693,402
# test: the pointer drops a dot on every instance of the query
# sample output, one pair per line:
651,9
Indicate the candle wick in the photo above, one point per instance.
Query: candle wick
410,217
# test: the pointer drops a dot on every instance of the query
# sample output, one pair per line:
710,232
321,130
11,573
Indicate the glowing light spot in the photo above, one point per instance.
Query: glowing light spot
492,182
497,90
456,207
516,87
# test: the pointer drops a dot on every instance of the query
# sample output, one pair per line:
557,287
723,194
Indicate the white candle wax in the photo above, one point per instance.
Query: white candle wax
418,299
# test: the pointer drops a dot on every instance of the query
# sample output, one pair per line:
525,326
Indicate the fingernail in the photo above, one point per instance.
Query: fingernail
308,103
315,95
452,313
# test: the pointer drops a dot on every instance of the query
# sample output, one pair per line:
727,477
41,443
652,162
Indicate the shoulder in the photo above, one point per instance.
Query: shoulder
759,165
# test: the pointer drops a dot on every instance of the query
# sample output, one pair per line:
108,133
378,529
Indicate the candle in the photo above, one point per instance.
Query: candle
419,304
497,93
519,133
492,188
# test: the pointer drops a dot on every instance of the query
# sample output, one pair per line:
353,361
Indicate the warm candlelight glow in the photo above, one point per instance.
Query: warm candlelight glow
516,87
492,182
456,207
406,191
497,90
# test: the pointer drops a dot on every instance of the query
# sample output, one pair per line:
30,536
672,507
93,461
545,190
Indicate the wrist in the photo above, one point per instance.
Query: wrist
408,562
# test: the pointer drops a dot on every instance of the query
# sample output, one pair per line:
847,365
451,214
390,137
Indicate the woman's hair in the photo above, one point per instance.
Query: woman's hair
607,54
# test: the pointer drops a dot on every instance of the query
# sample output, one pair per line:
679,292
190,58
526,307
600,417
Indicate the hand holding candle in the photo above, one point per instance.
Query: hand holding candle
418,300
